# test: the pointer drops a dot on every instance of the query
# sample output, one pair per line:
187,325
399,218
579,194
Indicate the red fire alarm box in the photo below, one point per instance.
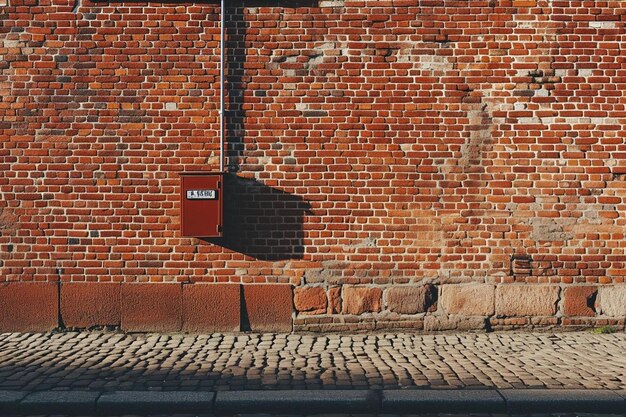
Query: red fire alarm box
202,204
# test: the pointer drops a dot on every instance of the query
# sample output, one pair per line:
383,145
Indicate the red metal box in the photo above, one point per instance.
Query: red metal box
202,204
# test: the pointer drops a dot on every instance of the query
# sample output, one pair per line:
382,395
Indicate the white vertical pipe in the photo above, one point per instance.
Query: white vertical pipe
222,80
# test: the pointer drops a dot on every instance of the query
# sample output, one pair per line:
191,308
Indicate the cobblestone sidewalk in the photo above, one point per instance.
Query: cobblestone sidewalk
112,361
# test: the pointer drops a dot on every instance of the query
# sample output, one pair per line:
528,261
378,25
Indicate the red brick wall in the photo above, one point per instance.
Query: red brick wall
382,153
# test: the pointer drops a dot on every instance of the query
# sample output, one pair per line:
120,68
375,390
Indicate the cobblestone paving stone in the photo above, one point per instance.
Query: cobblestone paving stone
113,361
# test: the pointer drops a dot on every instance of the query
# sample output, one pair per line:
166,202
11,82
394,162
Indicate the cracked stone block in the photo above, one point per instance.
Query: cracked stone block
358,300
411,299
311,300
612,301
526,300
89,304
468,300
29,306
580,301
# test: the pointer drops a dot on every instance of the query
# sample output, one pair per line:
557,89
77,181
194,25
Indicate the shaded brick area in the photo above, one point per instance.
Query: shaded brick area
114,361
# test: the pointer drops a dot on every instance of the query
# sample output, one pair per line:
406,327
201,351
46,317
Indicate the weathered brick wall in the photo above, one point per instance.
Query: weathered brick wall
427,164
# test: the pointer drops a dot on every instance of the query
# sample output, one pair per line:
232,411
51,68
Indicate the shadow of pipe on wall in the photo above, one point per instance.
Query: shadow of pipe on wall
262,222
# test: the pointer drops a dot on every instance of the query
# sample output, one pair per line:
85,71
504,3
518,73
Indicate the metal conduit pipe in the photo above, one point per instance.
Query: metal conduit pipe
222,81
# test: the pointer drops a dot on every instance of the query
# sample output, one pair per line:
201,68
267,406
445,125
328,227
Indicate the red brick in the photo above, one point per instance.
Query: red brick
89,304
359,300
311,300
268,307
211,308
151,307
29,306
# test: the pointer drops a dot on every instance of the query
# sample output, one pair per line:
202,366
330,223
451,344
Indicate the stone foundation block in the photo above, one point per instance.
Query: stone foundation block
310,300
580,301
211,308
612,301
89,304
268,308
151,307
359,300
411,299
29,306
334,300
439,323
526,300
468,300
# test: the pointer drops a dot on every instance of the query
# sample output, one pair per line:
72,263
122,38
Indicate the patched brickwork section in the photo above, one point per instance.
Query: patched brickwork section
373,148
529,300
151,307
29,306
90,304
468,300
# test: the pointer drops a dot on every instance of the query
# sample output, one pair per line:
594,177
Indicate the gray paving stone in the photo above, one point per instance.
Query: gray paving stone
442,401
62,402
10,401
563,400
151,402
296,401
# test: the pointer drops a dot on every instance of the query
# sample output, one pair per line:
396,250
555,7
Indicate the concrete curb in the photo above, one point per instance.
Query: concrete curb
297,401
309,402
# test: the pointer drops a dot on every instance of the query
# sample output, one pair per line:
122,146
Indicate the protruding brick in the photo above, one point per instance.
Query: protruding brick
311,300
334,300
612,301
211,307
358,300
580,301
148,307
29,306
526,300
411,299
468,300
89,304
269,307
